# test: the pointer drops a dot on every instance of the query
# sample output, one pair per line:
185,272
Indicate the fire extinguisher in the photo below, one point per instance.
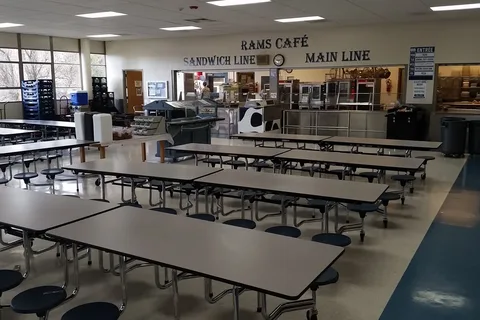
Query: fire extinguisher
389,86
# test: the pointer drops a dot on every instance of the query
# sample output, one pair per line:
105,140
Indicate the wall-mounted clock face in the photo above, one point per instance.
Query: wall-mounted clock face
279,60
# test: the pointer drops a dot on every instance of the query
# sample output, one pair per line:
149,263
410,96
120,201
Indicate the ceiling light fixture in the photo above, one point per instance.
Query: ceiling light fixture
226,3
185,28
469,6
107,35
96,15
10,25
300,19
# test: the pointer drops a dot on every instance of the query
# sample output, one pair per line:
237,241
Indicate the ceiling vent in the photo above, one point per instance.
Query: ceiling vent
200,20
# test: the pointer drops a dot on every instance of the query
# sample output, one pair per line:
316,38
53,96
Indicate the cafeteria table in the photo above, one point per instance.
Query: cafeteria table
246,259
407,145
260,138
11,133
44,124
334,191
228,151
352,160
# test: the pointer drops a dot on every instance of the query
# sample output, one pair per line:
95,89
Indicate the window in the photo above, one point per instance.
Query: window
35,71
10,75
98,63
67,73
40,56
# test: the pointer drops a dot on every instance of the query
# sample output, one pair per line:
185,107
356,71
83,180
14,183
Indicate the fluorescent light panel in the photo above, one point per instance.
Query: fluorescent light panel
226,3
184,28
96,15
300,19
469,6
107,35
10,25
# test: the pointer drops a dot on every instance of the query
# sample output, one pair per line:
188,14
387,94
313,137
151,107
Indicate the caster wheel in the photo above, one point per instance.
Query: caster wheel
89,263
362,237
311,316
97,182
423,176
58,255
347,221
411,190
171,193
259,309
403,201
210,295
385,224
217,218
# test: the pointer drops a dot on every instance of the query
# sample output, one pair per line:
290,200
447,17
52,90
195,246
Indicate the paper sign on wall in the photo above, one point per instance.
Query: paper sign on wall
419,89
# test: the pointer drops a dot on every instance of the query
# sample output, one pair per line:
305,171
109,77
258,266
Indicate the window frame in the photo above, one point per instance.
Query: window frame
20,76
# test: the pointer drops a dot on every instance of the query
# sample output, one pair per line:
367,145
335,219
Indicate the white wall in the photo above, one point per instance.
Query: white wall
388,45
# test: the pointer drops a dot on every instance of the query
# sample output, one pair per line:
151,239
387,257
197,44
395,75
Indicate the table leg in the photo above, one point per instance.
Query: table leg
102,152
144,152
236,307
82,154
175,294
162,151
102,184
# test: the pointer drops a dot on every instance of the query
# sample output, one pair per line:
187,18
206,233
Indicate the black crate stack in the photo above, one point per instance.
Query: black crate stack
103,101
38,101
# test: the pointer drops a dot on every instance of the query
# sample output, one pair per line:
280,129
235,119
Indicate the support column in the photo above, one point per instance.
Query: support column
86,67
274,77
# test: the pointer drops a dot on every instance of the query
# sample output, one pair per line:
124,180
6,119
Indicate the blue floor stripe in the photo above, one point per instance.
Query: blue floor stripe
443,278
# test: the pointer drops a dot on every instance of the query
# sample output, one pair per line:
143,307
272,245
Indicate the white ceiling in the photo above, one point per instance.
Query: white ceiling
145,17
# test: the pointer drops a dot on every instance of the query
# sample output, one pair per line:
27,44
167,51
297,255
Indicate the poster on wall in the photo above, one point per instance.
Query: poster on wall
419,89
157,89
422,63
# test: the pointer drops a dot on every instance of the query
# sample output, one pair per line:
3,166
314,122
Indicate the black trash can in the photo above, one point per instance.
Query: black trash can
474,137
454,136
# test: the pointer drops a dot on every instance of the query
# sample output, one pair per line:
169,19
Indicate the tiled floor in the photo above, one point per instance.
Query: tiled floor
369,272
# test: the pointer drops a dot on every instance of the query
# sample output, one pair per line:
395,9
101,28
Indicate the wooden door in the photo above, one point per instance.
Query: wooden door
133,90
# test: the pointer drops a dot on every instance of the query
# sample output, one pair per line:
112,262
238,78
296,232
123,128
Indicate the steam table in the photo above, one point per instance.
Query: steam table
245,259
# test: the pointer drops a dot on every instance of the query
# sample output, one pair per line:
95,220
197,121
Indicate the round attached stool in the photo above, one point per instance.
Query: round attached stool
241,223
260,165
334,239
4,166
311,169
203,216
425,162
404,179
9,279
26,177
130,204
212,161
235,163
165,210
317,204
287,200
287,231
339,173
385,198
370,175
93,311
329,276
136,181
39,300
363,209
51,174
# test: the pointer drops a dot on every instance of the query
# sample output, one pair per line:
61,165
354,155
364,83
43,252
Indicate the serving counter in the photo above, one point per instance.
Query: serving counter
260,116
349,123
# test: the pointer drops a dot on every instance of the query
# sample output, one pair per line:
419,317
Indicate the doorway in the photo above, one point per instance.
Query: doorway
133,86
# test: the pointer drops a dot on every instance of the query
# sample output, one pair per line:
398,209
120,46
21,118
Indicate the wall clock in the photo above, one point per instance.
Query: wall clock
279,60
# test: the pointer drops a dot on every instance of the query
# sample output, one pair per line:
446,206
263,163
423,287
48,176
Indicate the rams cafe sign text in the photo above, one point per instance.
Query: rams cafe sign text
278,43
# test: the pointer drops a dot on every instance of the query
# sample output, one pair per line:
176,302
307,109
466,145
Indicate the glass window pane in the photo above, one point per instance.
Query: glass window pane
10,75
99,71
36,56
8,54
65,92
7,95
66,57
35,71
97,59
67,75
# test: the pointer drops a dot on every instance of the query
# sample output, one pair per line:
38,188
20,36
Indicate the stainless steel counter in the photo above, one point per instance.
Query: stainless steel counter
367,124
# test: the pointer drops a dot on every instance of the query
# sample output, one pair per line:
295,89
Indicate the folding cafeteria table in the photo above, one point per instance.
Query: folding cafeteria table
260,138
352,160
228,151
407,145
334,191
246,259
11,133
